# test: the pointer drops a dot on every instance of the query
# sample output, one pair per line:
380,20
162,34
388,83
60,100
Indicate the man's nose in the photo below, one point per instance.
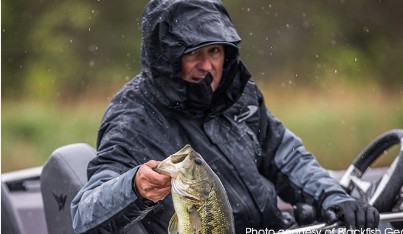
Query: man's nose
204,64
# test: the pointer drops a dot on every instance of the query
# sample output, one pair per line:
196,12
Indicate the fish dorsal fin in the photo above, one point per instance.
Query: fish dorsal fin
173,225
195,219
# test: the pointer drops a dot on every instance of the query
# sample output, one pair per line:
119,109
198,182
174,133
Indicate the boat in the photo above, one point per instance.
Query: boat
37,200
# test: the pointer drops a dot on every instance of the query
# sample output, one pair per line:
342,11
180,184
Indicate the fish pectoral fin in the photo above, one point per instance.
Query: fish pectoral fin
195,219
173,225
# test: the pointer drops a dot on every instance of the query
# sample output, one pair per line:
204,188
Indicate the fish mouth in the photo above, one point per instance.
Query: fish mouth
172,172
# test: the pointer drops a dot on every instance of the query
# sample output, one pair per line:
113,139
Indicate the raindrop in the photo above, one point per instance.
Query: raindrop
355,59
335,71
93,48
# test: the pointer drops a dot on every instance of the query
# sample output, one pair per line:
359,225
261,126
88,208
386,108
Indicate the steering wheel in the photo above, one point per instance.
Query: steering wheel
382,193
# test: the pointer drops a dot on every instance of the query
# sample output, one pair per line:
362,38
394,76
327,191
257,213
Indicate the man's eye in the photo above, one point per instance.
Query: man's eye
215,50
191,55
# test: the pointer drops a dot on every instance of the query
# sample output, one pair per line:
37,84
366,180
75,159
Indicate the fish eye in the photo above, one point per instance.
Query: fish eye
198,161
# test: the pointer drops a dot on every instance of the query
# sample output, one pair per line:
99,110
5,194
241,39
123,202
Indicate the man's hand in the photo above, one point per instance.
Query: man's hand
150,184
354,215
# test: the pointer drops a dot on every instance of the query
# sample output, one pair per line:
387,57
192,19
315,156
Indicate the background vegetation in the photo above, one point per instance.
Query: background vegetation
331,70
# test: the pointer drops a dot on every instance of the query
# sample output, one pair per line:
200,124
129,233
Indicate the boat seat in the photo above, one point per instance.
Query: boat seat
62,177
10,221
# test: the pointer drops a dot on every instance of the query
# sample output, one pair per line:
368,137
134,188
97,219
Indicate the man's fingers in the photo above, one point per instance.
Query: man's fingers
150,184
372,217
152,164
361,218
357,215
156,194
158,179
152,176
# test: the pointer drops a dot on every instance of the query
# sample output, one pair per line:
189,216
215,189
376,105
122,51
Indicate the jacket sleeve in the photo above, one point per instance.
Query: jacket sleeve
298,171
294,171
108,203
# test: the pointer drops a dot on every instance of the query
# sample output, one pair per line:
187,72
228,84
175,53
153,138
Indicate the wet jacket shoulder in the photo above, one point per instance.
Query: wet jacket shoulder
291,171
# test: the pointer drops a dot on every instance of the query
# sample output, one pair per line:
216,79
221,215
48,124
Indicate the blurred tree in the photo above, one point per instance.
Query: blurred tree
60,49
311,42
52,49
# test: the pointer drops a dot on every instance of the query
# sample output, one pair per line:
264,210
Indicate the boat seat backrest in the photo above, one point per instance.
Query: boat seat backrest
10,221
62,177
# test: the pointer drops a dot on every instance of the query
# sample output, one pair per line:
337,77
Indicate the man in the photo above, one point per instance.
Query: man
193,89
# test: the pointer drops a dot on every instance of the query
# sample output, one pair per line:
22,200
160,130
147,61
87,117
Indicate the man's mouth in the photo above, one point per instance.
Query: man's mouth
197,79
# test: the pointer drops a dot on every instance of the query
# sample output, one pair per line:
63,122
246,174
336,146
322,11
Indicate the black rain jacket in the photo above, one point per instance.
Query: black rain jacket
157,113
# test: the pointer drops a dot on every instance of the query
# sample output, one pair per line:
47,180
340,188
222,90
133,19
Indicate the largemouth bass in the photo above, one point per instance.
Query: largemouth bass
200,201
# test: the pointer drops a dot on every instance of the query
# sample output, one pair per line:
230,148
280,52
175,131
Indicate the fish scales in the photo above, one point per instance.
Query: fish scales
200,201
212,213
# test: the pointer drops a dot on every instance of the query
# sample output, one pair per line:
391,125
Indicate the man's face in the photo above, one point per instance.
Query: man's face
198,63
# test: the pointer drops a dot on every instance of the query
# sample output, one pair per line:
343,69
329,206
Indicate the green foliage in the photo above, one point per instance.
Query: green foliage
51,48
32,130
337,124
55,54
54,48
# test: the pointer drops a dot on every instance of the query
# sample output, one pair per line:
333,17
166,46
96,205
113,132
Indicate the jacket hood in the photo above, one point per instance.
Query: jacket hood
171,28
